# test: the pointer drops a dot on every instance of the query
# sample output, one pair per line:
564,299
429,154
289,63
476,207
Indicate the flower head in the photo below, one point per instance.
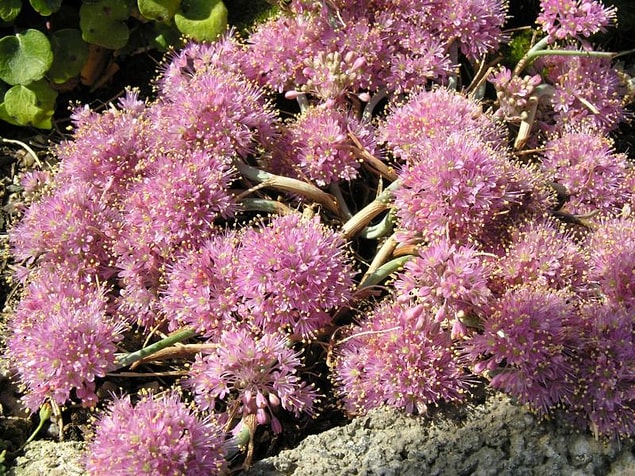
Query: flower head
62,338
588,92
253,375
542,253
158,435
432,115
449,280
612,264
455,188
604,373
401,357
321,147
562,19
525,342
586,164
200,287
292,273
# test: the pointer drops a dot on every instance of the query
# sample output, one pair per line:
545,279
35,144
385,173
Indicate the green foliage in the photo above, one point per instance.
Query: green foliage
25,57
10,9
31,105
50,50
70,52
202,20
46,7
159,10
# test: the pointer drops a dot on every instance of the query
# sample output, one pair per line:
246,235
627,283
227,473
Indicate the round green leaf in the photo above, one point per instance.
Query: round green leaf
202,20
159,10
103,23
9,9
46,7
70,54
31,105
24,57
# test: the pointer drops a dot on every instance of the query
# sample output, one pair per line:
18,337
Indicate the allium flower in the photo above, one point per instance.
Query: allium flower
174,208
513,93
612,251
450,281
108,148
541,253
254,376
277,49
562,19
585,162
431,115
291,274
217,111
456,188
401,357
321,148
200,287
71,225
475,24
158,435
62,338
525,342
196,58
588,91
605,371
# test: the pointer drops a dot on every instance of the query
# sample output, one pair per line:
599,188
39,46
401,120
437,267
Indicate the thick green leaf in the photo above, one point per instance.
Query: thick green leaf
46,7
9,9
24,57
31,105
159,10
202,20
70,53
103,23
165,36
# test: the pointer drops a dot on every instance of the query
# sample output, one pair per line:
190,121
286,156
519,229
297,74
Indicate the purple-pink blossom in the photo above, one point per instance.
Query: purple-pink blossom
156,435
526,339
585,162
252,376
63,338
292,273
562,19
398,356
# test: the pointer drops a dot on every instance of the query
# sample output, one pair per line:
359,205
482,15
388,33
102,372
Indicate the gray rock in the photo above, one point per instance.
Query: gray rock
497,438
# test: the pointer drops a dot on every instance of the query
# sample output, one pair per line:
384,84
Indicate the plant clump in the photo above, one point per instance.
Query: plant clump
328,214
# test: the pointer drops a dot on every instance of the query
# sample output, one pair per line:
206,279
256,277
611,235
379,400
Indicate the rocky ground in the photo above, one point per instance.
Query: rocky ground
495,438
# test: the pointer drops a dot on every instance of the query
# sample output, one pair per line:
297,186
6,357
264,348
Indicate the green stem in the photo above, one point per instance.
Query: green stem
287,184
123,360
384,271
264,205
382,228
362,218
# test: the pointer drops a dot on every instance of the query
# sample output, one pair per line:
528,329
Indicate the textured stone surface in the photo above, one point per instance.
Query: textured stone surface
497,438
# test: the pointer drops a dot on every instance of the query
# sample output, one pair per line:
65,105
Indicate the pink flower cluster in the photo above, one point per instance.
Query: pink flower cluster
157,435
259,227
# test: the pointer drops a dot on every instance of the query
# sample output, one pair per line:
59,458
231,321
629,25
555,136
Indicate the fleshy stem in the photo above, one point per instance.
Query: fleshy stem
361,219
123,360
539,50
264,205
382,255
384,271
46,410
287,184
